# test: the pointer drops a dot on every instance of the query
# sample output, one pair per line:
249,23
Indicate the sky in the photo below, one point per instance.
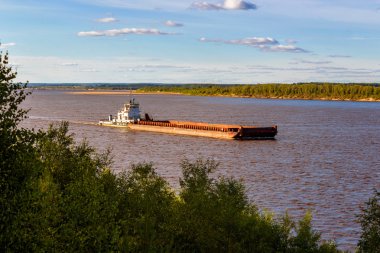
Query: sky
190,41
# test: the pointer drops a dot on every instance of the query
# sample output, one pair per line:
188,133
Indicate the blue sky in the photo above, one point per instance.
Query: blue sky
182,41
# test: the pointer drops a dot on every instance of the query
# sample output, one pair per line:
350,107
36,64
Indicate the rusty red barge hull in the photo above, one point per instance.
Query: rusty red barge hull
221,131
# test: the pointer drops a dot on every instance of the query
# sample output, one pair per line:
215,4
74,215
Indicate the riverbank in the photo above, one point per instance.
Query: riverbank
304,91
118,92
139,92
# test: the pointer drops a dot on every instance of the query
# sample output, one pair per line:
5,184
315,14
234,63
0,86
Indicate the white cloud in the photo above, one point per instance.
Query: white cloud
266,44
124,31
206,6
203,39
6,45
91,33
284,48
255,41
107,20
238,5
226,5
173,23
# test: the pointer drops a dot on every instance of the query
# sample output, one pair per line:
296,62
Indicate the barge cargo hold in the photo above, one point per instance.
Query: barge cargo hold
129,116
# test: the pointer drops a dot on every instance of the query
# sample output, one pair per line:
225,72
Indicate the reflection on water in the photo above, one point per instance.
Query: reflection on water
325,157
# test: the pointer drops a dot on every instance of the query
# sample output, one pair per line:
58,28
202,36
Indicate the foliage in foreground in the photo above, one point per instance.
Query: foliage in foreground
76,204
289,91
59,196
370,221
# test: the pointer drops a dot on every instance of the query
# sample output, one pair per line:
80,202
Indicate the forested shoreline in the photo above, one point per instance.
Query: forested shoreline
310,91
317,91
57,195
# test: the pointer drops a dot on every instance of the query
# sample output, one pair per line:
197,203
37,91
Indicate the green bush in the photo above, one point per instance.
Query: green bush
370,223
18,161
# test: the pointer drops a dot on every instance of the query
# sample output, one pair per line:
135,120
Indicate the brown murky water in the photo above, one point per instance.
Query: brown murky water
326,157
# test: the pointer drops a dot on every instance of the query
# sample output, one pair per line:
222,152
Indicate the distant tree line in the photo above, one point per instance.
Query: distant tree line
60,196
289,91
85,86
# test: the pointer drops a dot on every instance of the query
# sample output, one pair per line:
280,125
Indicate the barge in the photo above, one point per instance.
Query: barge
130,117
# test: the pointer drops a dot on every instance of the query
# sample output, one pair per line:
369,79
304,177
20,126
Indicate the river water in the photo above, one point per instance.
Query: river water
326,156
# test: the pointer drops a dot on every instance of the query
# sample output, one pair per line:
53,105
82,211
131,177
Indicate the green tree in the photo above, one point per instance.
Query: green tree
306,239
294,91
370,223
145,210
81,205
216,216
18,164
